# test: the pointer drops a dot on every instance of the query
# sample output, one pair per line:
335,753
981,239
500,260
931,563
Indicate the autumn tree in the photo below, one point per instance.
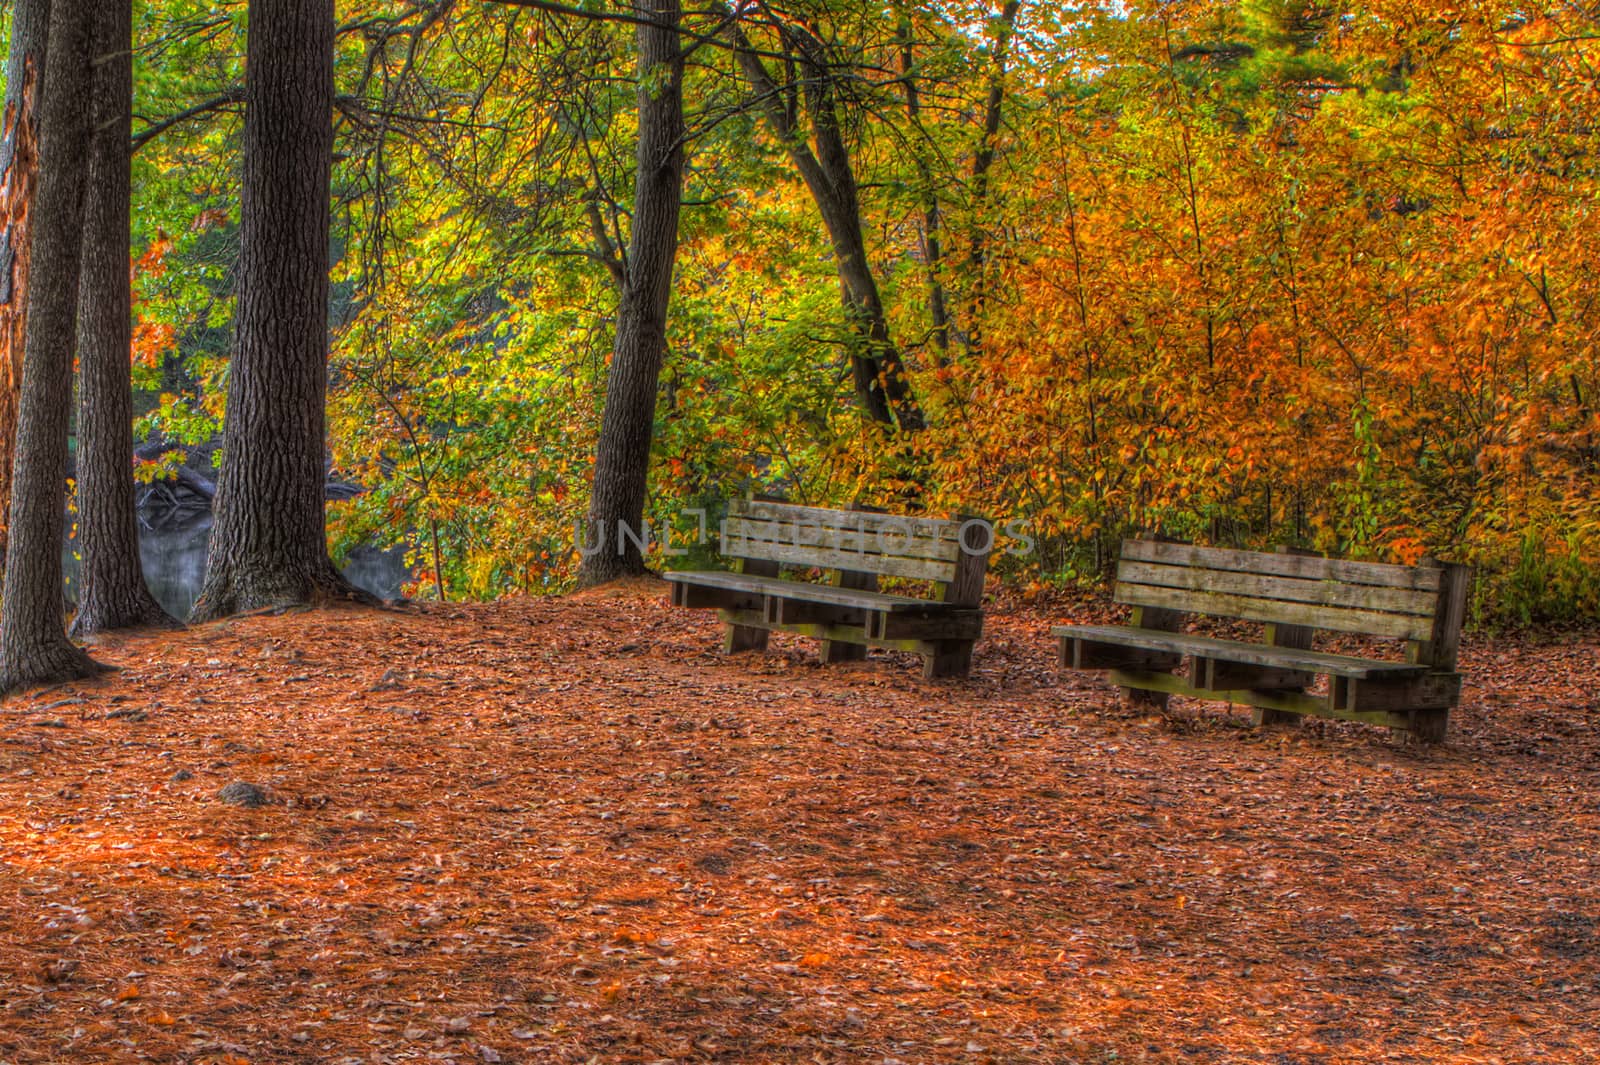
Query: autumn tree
1258,272
804,111
622,461
269,543
34,648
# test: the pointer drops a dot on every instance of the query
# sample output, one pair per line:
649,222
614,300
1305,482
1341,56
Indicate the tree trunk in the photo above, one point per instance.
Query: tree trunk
622,459
269,545
111,590
878,368
932,212
983,160
19,166
34,648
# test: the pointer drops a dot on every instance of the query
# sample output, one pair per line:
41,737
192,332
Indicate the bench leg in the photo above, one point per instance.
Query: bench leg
1262,717
1429,726
948,658
743,638
841,651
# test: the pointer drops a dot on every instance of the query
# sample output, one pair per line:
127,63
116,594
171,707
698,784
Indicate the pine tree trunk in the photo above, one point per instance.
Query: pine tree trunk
19,167
622,459
34,648
269,544
112,592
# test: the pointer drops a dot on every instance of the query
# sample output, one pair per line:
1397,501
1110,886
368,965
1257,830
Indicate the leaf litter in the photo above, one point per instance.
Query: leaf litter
569,830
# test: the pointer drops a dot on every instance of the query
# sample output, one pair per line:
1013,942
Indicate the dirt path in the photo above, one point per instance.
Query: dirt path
569,831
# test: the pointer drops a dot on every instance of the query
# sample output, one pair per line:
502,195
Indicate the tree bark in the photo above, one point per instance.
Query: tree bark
878,369
622,458
111,590
932,212
269,544
34,648
983,160
19,166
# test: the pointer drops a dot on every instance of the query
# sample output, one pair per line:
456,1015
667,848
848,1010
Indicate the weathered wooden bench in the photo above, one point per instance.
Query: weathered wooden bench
1294,595
852,549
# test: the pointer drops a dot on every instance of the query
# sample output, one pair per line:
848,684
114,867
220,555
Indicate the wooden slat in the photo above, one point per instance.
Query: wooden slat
1337,619
871,521
1406,601
952,625
1229,650
845,537
1307,567
704,597
1435,691
805,612
841,633
1219,674
1288,702
814,593
917,569
1092,655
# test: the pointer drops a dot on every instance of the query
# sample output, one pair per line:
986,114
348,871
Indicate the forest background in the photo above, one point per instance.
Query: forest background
1244,273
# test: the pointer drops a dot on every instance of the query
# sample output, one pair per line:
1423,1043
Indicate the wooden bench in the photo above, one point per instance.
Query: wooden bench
1294,595
852,549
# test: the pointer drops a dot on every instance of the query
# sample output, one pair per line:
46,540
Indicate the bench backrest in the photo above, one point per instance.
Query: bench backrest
1422,604
862,542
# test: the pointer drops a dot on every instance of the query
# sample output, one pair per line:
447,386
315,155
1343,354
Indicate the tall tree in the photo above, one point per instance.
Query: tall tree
34,648
982,163
112,591
622,458
822,157
19,162
269,546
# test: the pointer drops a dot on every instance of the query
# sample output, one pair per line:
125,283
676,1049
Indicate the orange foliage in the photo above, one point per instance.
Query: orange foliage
1354,316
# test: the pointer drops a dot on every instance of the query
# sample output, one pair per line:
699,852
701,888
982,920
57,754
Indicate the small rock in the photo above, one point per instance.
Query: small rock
388,682
242,793
59,971
489,1055
457,1026
181,775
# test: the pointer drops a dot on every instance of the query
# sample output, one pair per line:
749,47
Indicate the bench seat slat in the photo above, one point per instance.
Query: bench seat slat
1233,651
1405,601
1309,567
779,588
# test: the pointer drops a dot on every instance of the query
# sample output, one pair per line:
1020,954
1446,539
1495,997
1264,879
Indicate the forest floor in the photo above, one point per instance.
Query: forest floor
571,831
